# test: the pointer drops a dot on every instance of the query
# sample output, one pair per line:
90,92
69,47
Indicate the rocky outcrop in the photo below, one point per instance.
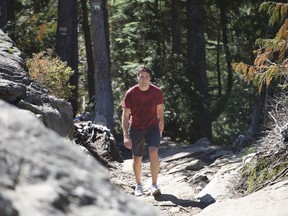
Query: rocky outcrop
43,174
19,89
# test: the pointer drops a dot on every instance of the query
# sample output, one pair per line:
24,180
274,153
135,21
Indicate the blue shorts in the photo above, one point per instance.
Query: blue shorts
150,136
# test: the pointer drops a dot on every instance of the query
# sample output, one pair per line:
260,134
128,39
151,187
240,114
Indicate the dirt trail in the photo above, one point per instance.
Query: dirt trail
178,195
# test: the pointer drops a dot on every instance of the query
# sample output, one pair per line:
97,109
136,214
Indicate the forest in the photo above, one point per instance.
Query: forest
217,61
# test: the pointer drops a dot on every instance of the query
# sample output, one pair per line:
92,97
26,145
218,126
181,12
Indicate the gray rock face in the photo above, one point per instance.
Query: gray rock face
18,88
44,174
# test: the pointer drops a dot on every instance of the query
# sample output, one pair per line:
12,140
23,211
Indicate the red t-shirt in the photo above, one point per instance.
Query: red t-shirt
143,106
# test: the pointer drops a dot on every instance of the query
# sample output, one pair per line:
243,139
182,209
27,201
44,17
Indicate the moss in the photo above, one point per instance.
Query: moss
262,171
10,50
249,150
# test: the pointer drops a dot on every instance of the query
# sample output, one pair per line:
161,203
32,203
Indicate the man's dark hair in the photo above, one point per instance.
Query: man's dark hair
144,69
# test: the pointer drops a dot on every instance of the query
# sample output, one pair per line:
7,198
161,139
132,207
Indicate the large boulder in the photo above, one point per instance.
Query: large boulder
44,174
19,89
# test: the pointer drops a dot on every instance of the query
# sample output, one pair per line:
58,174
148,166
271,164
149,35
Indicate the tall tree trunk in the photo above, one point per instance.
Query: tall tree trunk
197,67
223,21
89,52
6,12
176,26
104,103
67,43
218,62
218,108
158,63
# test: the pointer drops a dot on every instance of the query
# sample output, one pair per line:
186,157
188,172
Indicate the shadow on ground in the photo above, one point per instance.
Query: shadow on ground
182,202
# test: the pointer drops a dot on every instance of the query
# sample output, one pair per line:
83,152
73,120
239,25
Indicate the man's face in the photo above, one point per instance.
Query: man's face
144,79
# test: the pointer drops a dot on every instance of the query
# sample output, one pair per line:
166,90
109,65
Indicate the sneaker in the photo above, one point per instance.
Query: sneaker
155,191
138,190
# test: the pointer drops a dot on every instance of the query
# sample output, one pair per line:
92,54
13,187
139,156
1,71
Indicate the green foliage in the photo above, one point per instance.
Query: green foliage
35,26
276,10
52,73
236,114
177,90
270,62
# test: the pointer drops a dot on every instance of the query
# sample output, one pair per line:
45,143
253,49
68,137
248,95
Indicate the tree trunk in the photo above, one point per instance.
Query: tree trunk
176,26
223,21
67,43
89,52
224,98
245,140
6,12
197,68
104,104
218,62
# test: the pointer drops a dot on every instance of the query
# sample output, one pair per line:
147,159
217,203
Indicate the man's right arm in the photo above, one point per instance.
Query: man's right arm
125,125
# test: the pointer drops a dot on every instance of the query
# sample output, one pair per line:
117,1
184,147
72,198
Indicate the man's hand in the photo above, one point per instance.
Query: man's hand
127,142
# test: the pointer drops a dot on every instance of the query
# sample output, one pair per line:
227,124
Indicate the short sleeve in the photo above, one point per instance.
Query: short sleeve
161,98
126,103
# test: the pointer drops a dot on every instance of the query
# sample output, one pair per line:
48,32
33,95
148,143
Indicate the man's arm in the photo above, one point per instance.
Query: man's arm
160,114
125,125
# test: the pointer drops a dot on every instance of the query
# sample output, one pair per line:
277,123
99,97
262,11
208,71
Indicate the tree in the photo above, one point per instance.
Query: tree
6,12
104,103
176,26
89,51
270,64
67,43
197,68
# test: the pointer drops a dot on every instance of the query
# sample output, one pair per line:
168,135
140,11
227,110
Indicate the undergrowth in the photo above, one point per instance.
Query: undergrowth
270,163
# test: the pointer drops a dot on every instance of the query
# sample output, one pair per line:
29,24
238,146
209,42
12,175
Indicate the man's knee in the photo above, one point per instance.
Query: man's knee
137,159
153,152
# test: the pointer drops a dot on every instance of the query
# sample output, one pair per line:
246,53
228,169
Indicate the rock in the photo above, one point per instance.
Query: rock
195,165
203,142
98,140
222,184
271,201
44,174
198,177
19,89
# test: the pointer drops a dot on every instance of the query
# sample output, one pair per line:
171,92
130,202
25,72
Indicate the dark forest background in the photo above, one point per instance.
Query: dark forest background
190,45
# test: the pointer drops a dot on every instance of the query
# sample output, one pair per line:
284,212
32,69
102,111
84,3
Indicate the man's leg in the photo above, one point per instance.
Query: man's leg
154,164
137,166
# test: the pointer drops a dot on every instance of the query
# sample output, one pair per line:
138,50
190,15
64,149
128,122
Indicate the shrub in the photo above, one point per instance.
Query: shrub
51,73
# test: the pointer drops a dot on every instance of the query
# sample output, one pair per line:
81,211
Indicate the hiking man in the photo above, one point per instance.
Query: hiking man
143,122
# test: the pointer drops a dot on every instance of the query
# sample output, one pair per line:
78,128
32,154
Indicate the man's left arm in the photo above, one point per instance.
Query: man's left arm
160,114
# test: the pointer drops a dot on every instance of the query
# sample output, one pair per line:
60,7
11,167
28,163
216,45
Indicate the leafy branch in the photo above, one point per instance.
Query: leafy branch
271,61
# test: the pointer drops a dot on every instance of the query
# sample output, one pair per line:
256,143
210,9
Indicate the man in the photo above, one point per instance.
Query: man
143,122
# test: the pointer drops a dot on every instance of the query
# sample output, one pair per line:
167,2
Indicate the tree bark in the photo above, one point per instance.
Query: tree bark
218,62
6,12
257,112
197,67
67,43
223,21
176,26
89,52
104,103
